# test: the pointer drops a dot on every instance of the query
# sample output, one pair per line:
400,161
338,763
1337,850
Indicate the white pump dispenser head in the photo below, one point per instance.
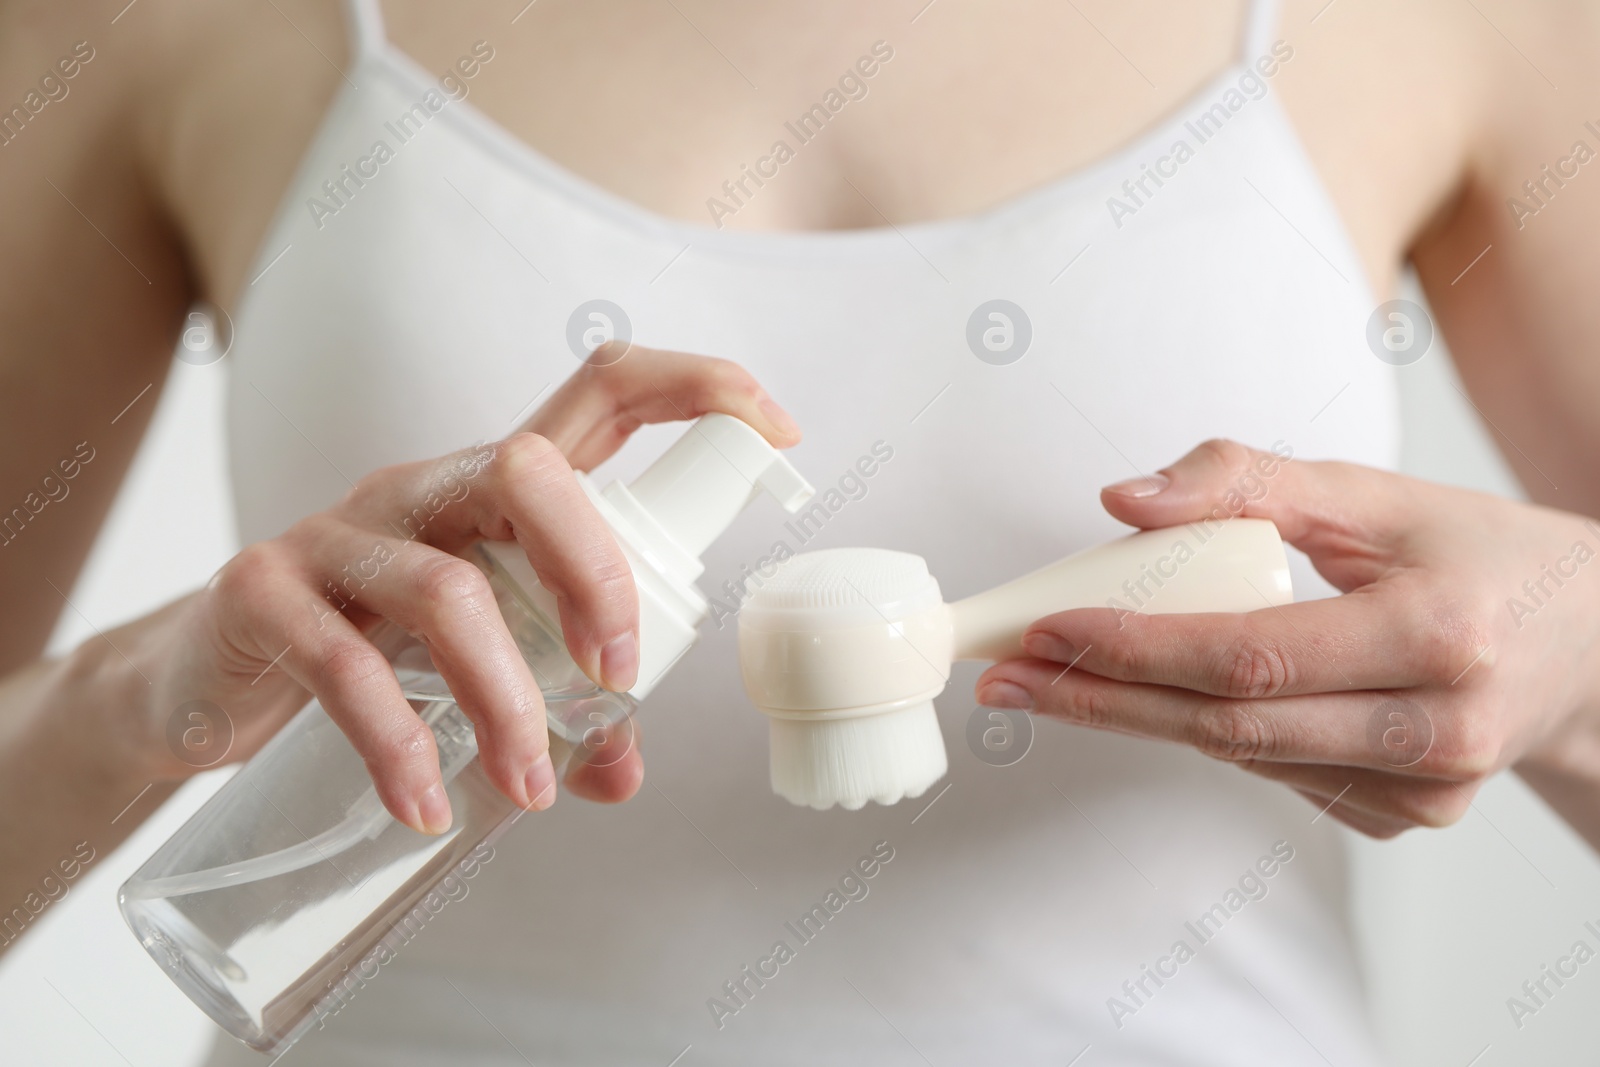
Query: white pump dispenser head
845,649
665,518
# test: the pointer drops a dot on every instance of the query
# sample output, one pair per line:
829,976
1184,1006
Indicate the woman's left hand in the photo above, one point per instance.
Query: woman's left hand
1464,642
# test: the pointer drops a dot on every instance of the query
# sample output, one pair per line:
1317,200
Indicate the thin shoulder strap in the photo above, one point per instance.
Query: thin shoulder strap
364,22
1260,29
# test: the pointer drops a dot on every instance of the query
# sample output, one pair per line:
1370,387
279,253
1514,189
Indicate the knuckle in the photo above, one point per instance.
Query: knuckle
597,580
1448,638
1468,750
605,354
406,748
359,497
726,376
524,720
1233,731
1124,658
352,665
370,491
528,460
304,534
251,572
1088,705
449,585
611,577
1253,669
469,462
1227,454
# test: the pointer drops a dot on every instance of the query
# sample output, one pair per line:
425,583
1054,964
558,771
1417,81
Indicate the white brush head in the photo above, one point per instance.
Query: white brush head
845,649
885,757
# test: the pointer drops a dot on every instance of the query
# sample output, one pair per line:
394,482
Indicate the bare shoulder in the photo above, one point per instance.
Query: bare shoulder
1538,94
1385,95
50,53
211,103
96,281
1510,262
234,93
1406,104
1463,135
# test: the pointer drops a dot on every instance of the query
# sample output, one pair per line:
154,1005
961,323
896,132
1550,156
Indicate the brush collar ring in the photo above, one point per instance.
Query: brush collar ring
835,714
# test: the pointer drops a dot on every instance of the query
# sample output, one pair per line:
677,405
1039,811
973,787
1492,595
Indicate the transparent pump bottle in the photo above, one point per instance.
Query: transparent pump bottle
292,885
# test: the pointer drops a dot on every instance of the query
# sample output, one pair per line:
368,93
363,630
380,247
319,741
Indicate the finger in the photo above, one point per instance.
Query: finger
1400,799
573,553
601,405
447,603
1308,729
1339,514
1363,822
599,773
1321,729
1377,637
521,489
271,614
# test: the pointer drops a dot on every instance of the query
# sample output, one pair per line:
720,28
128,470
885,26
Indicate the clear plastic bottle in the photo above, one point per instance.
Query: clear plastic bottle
292,886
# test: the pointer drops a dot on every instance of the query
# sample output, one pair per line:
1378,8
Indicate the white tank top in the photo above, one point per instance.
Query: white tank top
426,301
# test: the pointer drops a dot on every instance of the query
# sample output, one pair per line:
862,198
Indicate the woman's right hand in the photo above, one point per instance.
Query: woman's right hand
265,634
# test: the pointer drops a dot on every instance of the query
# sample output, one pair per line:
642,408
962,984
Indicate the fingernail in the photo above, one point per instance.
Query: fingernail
1006,695
619,663
1146,485
1048,646
541,783
434,810
780,419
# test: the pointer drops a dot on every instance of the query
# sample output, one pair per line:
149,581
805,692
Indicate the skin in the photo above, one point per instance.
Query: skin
1422,632
90,731
152,183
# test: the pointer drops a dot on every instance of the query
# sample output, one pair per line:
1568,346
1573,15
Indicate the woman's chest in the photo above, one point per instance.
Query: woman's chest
857,119
408,305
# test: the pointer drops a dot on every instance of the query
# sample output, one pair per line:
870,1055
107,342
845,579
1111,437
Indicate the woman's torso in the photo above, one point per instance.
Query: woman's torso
424,306
656,103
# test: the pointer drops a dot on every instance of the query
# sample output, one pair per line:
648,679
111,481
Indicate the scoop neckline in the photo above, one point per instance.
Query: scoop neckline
390,59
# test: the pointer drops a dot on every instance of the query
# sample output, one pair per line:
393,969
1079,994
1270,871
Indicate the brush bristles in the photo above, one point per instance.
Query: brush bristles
884,757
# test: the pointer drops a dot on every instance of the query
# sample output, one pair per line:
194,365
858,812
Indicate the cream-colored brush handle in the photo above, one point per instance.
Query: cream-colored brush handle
1235,565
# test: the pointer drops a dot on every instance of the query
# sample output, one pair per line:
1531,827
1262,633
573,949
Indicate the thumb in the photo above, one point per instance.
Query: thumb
1319,508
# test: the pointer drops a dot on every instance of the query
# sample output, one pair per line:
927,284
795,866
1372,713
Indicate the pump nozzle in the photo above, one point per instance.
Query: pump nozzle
699,484
665,518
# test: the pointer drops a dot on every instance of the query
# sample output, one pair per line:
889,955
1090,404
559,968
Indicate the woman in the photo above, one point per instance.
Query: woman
1023,252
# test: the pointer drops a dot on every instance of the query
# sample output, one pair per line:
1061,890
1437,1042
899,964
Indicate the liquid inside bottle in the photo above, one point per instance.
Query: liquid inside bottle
292,886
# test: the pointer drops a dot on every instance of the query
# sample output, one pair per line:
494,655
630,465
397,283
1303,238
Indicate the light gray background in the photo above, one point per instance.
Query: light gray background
1451,922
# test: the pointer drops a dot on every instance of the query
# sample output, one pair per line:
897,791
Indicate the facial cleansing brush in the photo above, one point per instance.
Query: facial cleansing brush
846,648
